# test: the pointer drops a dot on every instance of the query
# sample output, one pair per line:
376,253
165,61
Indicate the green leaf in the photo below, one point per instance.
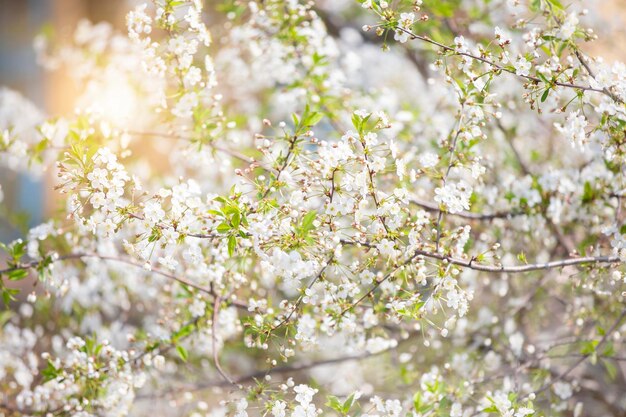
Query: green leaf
223,227
557,4
609,349
543,78
8,295
357,122
230,209
5,316
18,274
232,243
334,403
545,94
315,119
183,332
18,250
535,5
588,347
182,353
307,222
49,372
588,193
236,220
420,406
610,369
347,404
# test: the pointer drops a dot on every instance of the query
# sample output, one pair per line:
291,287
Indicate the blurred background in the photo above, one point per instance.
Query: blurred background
26,197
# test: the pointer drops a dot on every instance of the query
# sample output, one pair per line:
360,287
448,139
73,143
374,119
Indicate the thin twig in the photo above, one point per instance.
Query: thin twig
216,357
75,256
495,65
505,214
584,357
472,263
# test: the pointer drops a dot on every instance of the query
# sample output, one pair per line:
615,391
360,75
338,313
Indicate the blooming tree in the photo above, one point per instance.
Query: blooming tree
285,208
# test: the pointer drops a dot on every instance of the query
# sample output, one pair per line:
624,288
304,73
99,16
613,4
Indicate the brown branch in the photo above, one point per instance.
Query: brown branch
523,268
299,301
234,154
428,206
74,256
584,357
167,226
472,263
495,65
216,357
445,176
563,242
278,370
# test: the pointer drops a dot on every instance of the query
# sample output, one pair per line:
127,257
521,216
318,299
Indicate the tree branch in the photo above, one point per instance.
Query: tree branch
75,256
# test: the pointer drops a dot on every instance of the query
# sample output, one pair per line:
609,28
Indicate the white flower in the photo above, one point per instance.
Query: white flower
305,332
41,232
197,308
304,394
362,113
454,196
522,66
138,22
387,248
456,410
461,45
568,27
502,402
574,129
428,160
186,104
153,212
393,408
406,20
305,410
501,37
401,168
402,33
98,199
401,36
278,409
241,407
524,411
377,163
168,262
193,76
379,344
562,389
371,139
158,362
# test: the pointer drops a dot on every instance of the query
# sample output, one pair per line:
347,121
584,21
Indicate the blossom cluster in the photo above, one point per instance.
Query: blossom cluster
378,209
